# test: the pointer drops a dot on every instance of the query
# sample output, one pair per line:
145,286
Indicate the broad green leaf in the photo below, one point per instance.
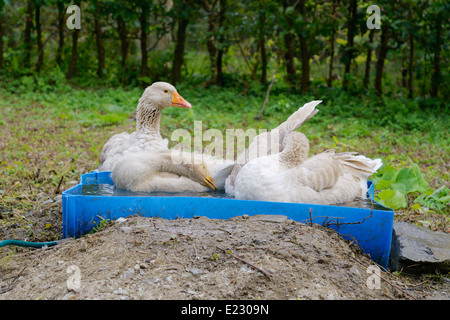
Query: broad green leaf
383,184
408,180
392,199
423,184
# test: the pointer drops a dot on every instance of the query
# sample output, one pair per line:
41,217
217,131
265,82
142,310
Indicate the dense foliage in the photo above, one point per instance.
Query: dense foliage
307,44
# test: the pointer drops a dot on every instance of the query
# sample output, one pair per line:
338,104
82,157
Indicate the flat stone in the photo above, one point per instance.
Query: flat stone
418,249
195,271
269,218
58,198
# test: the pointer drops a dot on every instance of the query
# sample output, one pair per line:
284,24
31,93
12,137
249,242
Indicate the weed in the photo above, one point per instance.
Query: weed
103,224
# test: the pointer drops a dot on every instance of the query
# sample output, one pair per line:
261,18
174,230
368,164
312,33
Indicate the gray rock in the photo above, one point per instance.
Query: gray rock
195,271
120,291
58,198
270,218
46,202
126,229
418,249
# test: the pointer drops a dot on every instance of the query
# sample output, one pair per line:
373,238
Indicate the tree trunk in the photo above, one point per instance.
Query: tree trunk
262,47
381,58
332,40
351,31
61,22
40,59
210,40
369,59
27,40
289,47
411,66
219,77
436,77
74,56
124,43
404,71
210,43
289,56
2,18
304,52
221,40
179,50
99,40
143,18
305,63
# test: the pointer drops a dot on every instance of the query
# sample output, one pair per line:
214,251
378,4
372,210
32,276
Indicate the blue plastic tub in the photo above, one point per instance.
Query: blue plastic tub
370,229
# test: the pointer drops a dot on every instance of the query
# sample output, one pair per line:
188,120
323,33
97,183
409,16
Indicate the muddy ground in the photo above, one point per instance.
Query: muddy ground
259,257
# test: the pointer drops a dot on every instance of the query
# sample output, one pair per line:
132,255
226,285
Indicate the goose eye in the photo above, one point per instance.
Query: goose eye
166,91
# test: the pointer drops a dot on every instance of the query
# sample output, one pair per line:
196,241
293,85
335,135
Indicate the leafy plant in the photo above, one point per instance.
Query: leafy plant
396,184
104,223
392,199
436,200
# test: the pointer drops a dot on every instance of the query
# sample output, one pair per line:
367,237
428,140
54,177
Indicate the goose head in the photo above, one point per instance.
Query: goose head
295,148
158,96
163,95
184,164
200,174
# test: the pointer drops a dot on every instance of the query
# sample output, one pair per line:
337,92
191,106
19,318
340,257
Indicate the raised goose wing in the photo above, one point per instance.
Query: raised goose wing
269,142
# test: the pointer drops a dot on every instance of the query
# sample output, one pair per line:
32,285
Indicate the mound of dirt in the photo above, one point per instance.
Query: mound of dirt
260,257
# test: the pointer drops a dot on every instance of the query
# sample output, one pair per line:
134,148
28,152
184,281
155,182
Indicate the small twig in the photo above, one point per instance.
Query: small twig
42,48
419,284
337,223
9,189
261,112
58,188
382,278
250,264
229,232
10,287
243,55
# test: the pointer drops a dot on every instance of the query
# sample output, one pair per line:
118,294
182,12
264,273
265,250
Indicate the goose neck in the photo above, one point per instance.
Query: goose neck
148,118
174,164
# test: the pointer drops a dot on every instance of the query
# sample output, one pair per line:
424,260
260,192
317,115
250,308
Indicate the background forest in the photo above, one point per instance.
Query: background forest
242,64
308,44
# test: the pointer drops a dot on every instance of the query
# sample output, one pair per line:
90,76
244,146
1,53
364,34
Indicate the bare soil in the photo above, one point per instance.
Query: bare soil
240,258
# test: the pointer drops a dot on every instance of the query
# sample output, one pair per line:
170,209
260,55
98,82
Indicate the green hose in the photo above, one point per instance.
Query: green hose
27,243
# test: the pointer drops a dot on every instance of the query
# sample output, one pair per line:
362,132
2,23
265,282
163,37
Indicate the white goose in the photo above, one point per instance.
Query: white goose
268,143
161,171
156,97
290,176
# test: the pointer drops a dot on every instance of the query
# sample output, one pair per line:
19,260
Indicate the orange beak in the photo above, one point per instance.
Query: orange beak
179,101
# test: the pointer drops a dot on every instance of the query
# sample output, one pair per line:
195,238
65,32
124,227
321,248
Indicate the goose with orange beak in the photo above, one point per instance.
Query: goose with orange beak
147,137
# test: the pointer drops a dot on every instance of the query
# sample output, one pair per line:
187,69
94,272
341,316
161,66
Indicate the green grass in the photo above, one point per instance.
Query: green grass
52,130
